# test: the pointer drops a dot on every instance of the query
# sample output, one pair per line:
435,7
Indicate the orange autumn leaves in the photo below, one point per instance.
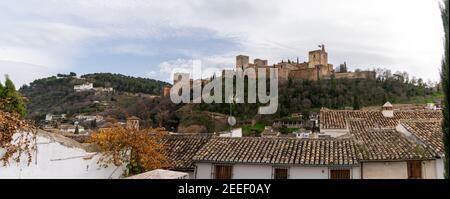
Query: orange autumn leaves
132,147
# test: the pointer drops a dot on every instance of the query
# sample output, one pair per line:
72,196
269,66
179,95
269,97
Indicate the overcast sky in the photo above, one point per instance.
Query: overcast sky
40,38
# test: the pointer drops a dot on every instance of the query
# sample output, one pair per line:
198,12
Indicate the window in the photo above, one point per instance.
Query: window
414,169
340,174
223,172
280,173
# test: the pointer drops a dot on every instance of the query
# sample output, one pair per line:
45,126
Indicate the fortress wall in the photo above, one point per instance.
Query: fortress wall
356,75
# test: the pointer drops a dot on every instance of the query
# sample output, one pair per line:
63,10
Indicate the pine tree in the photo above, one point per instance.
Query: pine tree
444,79
14,101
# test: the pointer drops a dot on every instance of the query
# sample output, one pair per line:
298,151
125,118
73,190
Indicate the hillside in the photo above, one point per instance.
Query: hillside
303,96
126,83
56,95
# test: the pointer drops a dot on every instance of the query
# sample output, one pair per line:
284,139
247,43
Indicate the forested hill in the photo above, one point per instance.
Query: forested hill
297,96
56,94
126,83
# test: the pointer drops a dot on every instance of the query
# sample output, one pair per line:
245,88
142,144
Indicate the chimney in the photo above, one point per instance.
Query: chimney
133,123
387,110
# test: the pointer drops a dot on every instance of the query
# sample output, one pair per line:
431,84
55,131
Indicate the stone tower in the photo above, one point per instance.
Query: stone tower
242,61
166,91
343,68
318,57
260,62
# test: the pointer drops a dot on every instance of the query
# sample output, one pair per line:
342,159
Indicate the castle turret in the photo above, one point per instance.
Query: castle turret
242,61
343,68
260,62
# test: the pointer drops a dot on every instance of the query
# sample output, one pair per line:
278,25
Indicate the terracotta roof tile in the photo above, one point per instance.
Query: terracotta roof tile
180,149
338,119
427,131
279,151
385,144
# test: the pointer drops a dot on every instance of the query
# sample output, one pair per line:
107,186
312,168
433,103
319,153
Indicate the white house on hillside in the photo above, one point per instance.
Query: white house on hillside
83,87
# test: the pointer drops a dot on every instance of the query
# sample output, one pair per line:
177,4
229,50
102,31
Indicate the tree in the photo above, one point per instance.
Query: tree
15,145
162,116
139,150
356,102
14,102
444,79
77,130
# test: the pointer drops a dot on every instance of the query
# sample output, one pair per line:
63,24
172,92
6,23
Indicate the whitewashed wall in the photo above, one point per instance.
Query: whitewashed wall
440,168
398,170
385,170
244,171
249,171
54,160
308,172
203,170
334,132
429,169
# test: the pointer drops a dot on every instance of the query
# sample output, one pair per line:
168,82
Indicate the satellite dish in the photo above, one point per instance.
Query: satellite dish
231,121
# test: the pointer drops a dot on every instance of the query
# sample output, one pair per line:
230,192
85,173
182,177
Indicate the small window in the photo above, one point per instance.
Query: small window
414,169
340,174
280,173
223,172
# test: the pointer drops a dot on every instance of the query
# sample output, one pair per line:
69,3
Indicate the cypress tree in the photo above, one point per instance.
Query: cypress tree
356,103
1,91
444,79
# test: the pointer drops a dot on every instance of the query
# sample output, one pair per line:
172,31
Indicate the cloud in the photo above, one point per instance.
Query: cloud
209,66
21,73
66,35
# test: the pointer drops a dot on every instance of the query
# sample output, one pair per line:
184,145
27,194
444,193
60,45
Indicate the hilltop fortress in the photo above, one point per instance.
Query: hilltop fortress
316,68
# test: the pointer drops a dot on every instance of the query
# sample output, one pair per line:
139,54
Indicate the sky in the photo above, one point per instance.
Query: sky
41,38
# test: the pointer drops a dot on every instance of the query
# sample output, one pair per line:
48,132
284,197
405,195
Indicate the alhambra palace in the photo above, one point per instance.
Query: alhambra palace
316,68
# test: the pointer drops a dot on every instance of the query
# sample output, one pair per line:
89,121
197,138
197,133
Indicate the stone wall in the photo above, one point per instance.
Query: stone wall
356,75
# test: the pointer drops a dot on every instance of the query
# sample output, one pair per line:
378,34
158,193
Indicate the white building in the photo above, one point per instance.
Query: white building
51,117
69,128
58,157
292,158
277,158
391,148
97,118
101,89
161,174
233,133
83,87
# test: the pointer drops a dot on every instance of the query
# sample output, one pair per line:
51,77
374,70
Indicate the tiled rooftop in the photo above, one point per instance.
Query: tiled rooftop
386,144
180,149
338,119
279,151
427,131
